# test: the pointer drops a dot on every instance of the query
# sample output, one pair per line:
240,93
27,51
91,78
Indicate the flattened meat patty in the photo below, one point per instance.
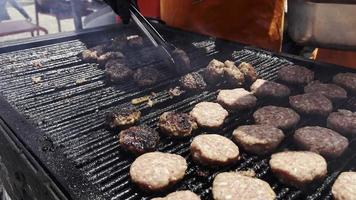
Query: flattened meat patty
331,91
177,124
343,121
263,88
193,81
234,186
233,75
214,150
156,171
280,117
117,73
146,76
344,187
180,195
209,115
249,71
214,72
323,141
346,80
139,139
311,104
123,117
298,168
294,74
236,99
258,139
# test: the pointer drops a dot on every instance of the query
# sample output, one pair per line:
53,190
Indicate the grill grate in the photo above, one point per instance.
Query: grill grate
72,115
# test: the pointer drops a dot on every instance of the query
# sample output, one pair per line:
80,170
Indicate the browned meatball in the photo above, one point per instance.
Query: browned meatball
343,121
193,81
177,124
294,74
346,80
311,104
214,72
233,75
249,71
280,117
331,91
104,58
89,55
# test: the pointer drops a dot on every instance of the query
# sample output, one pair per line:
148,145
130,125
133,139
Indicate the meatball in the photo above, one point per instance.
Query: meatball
331,91
258,139
89,56
344,187
232,185
263,88
214,150
214,72
146,76
139,139
343,121
182,61
346,80
104,58
280,117
249,71
117,72
123,117
311,104
233,75
298,168
323,141
177,124
294,74
236,99
157,171
193,81
180,195
209,115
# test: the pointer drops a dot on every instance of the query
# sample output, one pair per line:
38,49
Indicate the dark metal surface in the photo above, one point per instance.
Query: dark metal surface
69,138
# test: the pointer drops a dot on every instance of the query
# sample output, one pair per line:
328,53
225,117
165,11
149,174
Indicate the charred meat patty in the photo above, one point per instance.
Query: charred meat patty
193,81
280,117
346,80
214,72
264,88
294,74
233,75
180,195
123,117
177,124
139,139
249,71
236,99
209,115
343,121
117,72
331,91
344,187
311,104
146,76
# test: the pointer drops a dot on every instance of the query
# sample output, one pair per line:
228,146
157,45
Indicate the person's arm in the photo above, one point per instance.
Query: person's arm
18,7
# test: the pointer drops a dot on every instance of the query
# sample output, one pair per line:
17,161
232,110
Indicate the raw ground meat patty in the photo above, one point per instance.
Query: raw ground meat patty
331,91
298,168
139,139
346,80
209,115
343,121
294,74
263,88
234,186
344,187
258,139
180,195
214,72
177,124
311,104
280,117
212,149
236,99
156,171
323,141
193,81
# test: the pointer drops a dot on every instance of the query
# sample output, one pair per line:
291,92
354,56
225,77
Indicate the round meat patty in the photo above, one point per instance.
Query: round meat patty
343,121
311,104
236,99
234,186
249,71
117,72
177,124
193,81
298,168
263,88
280,117
209,115
214,150
139,139
346,80
214,72
146,76
180,195
157,171
182,61
294,74
323,141
344,187
123,117
233,75
331,91
258,139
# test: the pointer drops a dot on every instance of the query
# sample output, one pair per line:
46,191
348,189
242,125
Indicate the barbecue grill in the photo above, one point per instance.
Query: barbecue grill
53,141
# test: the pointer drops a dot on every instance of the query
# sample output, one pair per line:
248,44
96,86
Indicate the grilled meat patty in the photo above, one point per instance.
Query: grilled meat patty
249,72
346,80
139,139
116,72
123,117
298,168
146,76
177,124
280,117
214,150
311,104
344,187
234,186
331,91
157,171
264,88
343,121
294,74
193,81
112,55
180,195
236,99
214,72
323,141
209,115
258,139
182,61
233,75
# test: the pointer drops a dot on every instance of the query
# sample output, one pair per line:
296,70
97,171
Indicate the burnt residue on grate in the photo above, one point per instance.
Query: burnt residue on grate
72,115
